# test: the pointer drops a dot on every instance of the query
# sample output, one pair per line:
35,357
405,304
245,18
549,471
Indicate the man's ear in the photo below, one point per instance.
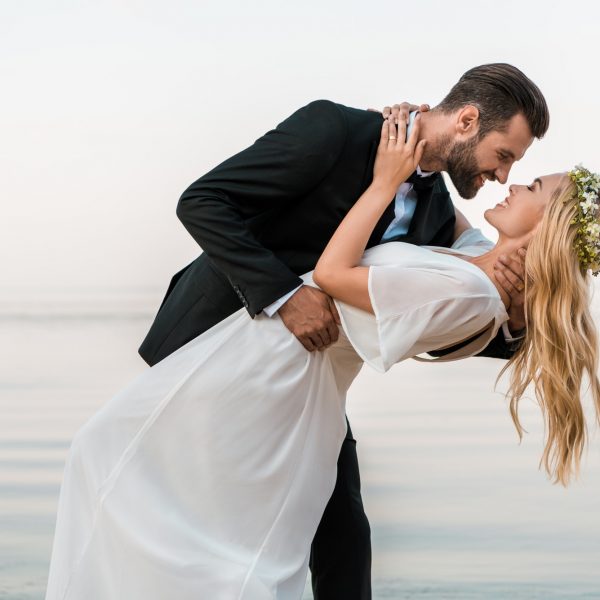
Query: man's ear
467,121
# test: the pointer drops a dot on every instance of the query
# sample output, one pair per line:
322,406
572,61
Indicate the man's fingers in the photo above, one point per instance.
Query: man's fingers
513,269
506,284
309,313
515,261
510,271
317,340
306,342
334,312
387,111
325,337
512,262
333,332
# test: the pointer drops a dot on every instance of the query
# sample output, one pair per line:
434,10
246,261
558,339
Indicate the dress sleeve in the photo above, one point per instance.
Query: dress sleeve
473,237
417,310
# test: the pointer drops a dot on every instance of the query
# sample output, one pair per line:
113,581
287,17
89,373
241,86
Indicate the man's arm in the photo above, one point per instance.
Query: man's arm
497,348
509,273
279,168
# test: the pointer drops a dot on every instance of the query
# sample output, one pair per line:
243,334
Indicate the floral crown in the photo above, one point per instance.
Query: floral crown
587,240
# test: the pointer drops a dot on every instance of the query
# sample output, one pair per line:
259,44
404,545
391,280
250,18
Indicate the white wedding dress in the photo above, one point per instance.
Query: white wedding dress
206,477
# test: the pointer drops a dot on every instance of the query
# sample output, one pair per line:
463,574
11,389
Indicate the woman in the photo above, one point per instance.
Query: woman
207,476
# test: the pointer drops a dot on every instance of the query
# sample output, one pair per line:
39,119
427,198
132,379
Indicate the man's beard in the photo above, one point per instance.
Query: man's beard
463,168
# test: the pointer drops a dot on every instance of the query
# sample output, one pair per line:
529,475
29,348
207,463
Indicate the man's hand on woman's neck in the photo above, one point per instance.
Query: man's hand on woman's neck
505,251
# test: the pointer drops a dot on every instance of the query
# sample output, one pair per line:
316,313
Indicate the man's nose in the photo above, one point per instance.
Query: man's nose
501,174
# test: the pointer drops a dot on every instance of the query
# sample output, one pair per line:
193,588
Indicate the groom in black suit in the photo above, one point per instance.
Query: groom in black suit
264,216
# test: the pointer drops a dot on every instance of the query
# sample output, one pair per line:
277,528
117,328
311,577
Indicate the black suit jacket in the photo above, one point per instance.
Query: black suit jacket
263,217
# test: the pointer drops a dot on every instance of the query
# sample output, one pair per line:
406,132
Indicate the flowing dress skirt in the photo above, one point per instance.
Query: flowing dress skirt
207,476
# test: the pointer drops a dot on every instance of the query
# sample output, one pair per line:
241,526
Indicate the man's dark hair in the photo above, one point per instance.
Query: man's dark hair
499,91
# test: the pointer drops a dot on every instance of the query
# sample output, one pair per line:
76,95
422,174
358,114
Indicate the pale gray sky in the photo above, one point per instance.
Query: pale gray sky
111,109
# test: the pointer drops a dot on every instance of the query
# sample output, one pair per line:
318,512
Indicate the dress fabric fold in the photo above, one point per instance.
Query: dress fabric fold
207,476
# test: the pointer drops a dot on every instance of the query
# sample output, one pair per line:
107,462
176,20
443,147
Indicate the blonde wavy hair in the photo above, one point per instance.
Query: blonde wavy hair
560,348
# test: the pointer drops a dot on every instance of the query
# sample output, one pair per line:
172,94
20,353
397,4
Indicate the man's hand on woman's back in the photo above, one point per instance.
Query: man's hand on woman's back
312,317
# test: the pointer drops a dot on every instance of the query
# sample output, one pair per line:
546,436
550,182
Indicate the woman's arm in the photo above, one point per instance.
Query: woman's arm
337,271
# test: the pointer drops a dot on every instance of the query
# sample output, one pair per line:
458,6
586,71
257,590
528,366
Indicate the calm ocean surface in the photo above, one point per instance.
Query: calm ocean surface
458,508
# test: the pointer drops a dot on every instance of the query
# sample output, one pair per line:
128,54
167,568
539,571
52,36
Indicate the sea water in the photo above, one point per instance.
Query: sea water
458,509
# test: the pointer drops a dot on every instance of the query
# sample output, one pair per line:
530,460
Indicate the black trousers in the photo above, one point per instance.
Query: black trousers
340,557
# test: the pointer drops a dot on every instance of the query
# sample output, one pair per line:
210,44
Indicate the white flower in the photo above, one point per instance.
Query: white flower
593,229
587,206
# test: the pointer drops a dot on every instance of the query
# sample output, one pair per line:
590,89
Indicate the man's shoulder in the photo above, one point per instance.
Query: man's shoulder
325,122
315,120
335,111
324,104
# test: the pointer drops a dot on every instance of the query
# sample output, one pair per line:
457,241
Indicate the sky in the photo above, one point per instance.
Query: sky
111,109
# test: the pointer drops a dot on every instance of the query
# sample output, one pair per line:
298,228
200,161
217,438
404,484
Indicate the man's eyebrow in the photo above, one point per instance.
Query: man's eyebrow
539,181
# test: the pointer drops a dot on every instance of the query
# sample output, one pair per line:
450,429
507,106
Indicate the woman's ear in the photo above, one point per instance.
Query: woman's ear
467,121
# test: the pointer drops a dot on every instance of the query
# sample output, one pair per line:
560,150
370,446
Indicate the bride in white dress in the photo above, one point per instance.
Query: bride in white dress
207,476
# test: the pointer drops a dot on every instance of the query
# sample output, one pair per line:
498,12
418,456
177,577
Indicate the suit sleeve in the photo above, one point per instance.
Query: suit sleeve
500,348
278,169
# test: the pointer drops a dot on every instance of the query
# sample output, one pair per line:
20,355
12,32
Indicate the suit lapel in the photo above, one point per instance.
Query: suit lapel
414,234
424,221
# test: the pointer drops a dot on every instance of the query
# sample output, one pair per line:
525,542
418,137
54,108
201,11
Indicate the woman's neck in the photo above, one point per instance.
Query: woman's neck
504,247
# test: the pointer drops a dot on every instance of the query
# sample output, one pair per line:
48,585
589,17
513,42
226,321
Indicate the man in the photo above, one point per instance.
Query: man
263,217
